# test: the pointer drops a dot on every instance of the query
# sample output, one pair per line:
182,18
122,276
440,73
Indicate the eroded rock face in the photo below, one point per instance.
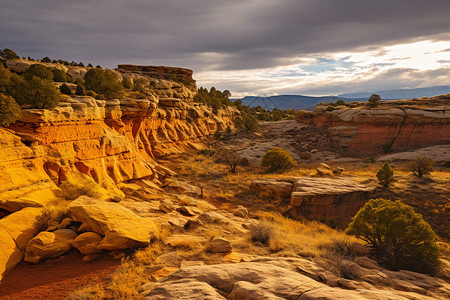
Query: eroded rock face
402,124
120,227
334,200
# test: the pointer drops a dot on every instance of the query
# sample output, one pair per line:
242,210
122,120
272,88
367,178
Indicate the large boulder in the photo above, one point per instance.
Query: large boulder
332,199
49,245
87,243
10,254
120,227
23,225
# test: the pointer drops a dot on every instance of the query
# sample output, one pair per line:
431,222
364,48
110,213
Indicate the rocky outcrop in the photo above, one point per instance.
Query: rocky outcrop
49,245
291,278
161,72
91,147
400,124
334,200
121,228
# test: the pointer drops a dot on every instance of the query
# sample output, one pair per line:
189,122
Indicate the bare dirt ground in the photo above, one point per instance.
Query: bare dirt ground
54,278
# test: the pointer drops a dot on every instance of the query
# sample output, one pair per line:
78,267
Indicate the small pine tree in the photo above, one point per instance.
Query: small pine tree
9,110
278,159
374,100
65,89
386,175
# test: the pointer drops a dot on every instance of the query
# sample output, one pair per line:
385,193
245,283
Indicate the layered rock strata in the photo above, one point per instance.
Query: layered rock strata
398,125
334,200
95,147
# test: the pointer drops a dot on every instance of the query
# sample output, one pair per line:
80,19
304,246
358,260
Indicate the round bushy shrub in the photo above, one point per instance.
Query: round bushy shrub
36,93
278,159
80,90
40,71
65,89
9,110
397,236
59,75
104,82
127,83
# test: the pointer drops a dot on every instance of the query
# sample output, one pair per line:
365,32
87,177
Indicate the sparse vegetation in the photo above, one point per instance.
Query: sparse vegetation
262,233
104,82
398,236
385,175
374,100
278,160
127,83
9,110
232,159
40,71
421,166
36,93
65,89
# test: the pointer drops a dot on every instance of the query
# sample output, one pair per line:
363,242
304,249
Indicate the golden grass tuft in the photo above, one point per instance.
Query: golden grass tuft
305,238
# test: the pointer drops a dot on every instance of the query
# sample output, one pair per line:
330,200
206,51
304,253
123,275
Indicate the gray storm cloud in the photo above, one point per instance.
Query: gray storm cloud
213,35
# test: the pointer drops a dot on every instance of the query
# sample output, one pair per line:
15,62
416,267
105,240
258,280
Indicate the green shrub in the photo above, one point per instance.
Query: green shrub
386,175
397,236
104,82
246,122
278,159
9,110
46,60
59,75
80,90
374,100
421,166
40,71
127,83
65,89
330,108
340,102
9,54
36,93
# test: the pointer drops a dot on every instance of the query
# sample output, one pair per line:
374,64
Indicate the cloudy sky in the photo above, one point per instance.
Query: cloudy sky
251,47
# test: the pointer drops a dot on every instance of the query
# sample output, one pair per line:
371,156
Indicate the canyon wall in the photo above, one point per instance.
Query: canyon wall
402,125
101,142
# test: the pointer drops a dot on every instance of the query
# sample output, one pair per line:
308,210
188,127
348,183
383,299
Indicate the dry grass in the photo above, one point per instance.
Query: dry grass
305,238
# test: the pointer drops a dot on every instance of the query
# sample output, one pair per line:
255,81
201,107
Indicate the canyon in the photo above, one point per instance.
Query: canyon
103,169
395,125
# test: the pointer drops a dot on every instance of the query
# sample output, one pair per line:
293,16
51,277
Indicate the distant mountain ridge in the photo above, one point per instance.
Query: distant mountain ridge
292,101
309,102
403,93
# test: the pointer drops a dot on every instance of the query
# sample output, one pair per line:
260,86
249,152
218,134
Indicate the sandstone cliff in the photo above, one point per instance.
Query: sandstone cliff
400,124
95,146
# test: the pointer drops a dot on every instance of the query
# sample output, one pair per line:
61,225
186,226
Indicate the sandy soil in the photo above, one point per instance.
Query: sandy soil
54,278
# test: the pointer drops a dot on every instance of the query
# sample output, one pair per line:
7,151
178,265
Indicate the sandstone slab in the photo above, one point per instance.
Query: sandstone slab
120,227
330,199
